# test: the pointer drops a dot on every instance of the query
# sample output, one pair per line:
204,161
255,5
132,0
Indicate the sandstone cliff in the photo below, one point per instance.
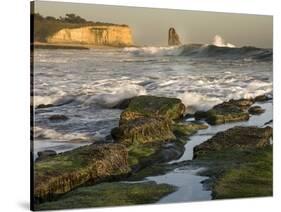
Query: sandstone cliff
94,35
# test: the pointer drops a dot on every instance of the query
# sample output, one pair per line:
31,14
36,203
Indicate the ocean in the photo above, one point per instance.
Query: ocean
84,85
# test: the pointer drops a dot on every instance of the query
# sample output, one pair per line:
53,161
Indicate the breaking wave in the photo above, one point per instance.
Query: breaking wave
220,42
220,51
106,99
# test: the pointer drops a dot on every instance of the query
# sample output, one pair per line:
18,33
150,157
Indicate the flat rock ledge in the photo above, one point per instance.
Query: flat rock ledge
236,137
91,164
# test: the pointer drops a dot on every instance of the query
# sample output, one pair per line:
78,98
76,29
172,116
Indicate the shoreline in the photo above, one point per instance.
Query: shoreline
42,45
143,157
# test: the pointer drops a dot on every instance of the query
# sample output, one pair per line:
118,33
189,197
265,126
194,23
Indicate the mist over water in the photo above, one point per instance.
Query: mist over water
85,85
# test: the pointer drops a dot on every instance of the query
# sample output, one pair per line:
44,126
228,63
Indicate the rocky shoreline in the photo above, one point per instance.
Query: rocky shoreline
152,131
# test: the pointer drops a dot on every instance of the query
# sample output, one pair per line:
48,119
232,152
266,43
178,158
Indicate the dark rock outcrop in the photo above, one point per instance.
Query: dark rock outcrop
236,137
256,110
91,164
173,38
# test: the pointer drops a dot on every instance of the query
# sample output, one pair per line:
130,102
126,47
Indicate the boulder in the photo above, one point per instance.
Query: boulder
236,137
143,130
226,114
148,119
173,37
256,110
230,111
153,106
91,164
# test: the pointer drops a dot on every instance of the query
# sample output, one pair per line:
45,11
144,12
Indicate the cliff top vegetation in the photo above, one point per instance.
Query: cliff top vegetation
47,26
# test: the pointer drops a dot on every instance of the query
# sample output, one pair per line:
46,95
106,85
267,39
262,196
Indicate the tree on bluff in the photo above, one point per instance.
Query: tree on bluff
72,18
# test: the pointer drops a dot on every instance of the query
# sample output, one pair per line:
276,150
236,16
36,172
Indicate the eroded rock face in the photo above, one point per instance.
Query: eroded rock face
173,37
236,137
94,35
148,119
89,164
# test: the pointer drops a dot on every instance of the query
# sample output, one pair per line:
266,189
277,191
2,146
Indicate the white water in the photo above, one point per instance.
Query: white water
220,42
83,85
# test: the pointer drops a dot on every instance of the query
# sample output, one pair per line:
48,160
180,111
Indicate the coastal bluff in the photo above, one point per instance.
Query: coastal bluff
93,35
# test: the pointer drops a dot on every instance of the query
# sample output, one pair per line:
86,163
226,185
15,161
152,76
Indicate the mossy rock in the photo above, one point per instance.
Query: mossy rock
184,130
225,115
137,153
148,119
239,162
153,106
142,156
242,103
230,111
236,137
110,194
61,173
253,178
143,130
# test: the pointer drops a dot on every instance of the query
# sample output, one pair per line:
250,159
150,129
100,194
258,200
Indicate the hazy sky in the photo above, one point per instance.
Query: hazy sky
150,26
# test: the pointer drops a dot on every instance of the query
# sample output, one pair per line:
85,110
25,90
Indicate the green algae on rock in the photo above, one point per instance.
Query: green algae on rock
187,129
254,178
110,194
143,130
153,106
236,137
239,160
231,111
148,119
61,173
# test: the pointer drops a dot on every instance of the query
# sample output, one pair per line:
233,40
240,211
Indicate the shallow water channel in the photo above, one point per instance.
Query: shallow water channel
185,178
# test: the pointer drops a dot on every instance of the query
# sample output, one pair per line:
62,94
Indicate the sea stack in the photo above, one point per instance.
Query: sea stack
173,39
